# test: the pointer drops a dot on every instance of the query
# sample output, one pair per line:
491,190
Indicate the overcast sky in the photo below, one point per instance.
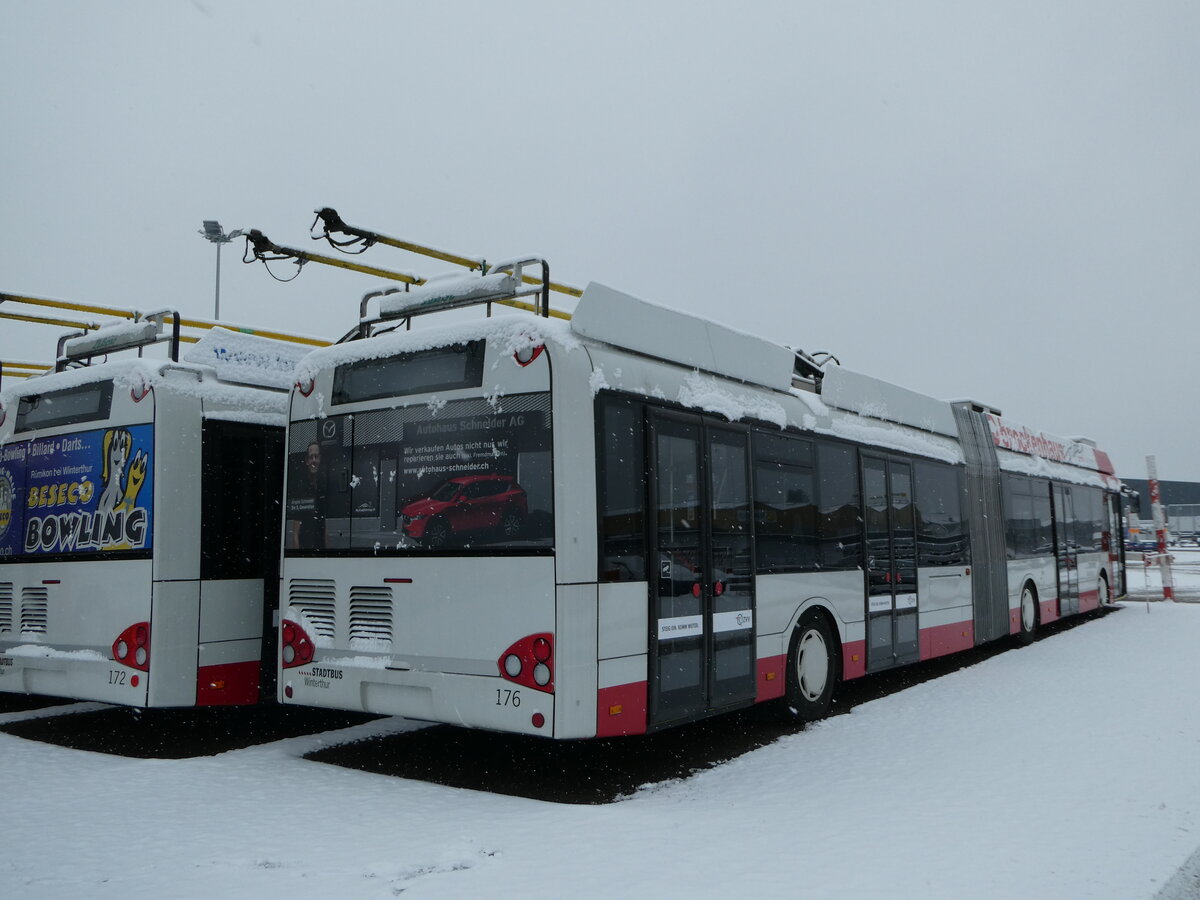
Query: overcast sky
989,200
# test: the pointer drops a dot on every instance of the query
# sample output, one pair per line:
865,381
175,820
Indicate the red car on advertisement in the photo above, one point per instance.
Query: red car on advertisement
464,505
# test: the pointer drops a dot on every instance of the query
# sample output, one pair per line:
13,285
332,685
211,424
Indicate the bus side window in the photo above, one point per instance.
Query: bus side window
785,504
839,523
942,538
622,474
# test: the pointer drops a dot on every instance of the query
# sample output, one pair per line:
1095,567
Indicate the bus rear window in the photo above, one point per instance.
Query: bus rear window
86,403
443,369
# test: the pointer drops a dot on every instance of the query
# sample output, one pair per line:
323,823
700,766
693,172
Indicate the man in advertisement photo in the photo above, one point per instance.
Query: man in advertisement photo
306,508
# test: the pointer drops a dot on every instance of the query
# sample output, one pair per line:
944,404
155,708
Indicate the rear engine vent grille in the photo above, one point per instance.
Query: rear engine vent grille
34,602
6,606
316,601
371,618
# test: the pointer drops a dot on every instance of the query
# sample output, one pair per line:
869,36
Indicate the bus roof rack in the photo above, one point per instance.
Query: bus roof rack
78,346
503,284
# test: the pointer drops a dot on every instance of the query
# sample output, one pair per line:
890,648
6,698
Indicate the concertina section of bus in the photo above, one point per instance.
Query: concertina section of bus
639,518
139,536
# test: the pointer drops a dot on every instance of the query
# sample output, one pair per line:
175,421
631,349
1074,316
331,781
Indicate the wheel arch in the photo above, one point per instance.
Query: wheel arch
819,606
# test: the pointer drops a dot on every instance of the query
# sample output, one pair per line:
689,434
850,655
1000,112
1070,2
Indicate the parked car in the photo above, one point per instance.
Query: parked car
463,506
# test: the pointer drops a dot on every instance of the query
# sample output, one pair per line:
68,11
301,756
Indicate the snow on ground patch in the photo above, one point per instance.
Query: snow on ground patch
1066,769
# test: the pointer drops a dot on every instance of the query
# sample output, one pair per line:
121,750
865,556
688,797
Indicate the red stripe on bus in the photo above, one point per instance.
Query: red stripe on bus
1089,600
943,639
771,678
854,660
229,684
1048,610
621,710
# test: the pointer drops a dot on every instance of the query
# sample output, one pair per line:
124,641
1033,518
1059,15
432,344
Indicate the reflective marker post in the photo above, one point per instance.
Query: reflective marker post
1160,529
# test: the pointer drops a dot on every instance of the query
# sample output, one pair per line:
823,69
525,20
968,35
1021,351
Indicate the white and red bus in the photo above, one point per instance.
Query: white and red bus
639,518
139,508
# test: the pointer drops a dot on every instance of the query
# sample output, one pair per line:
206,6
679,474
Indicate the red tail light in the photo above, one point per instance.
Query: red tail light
530,662
132,647
526,355
305,387
295,646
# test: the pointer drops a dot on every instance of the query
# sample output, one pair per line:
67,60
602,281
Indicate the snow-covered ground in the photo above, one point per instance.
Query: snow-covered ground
1066,769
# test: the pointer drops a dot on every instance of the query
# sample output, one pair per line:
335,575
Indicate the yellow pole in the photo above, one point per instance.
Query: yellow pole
65,304
45,320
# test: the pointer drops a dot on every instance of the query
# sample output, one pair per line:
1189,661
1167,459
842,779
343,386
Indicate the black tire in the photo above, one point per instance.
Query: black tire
1105,592
1029,613
437,534
813,665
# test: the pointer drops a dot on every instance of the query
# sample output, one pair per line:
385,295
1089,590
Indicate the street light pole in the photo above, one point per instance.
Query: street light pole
212,231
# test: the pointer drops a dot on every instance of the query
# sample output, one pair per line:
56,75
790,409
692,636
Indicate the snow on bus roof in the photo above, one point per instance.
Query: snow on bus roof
622,320
513,332
248,358
221,399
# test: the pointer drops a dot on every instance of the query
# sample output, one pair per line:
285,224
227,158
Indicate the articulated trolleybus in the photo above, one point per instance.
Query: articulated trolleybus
139,508
640,518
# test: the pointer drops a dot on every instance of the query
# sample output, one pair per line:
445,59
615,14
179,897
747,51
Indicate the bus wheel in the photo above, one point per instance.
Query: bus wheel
1105,598
437,534
1029,614
812,669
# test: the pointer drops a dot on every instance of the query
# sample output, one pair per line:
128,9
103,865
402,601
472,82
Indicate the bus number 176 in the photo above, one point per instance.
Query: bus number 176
508,697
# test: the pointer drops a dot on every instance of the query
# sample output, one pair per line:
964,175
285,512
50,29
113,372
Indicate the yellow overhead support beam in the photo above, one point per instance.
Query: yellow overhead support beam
48,320
133,314
70,305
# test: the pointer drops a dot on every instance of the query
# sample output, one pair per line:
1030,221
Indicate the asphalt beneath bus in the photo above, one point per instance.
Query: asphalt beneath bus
579,772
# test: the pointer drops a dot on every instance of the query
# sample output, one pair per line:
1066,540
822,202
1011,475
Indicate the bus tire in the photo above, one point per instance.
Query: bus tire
812,668
1030,613
1105,598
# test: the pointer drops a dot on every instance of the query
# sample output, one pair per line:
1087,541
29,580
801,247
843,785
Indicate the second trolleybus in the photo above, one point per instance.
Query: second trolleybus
639,518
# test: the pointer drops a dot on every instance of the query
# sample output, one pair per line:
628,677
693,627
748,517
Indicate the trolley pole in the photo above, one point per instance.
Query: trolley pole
1160,529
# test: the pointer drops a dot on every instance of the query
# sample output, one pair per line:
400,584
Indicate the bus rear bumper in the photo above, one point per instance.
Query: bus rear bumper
79,674
473,701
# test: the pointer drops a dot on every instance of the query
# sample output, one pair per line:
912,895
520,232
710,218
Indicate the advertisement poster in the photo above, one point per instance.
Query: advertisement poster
458,475
78,493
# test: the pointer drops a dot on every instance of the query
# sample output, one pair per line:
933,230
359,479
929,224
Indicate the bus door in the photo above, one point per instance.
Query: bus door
1066,552
1115,544
702,580
889,522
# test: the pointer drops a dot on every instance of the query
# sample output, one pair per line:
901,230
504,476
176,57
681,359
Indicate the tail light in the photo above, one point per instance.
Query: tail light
296,647
132,647
305,387
138,392
526,355
530,662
